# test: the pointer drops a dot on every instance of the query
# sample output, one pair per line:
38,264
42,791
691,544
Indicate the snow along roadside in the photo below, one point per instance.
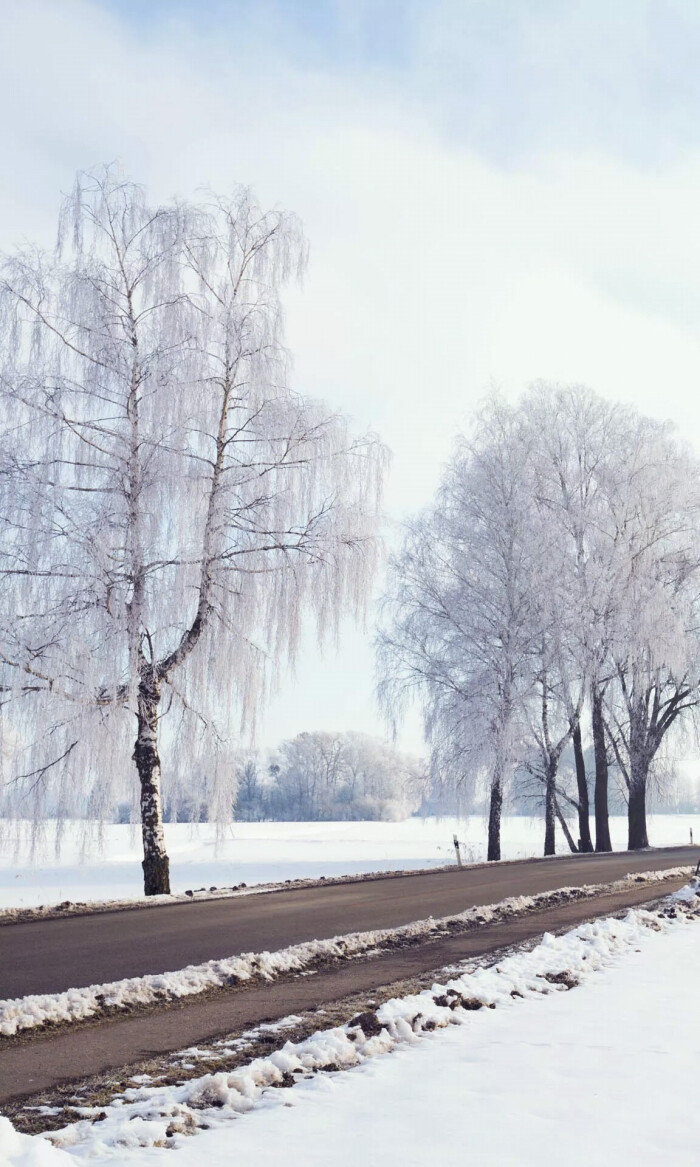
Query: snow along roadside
148,1115
22,1013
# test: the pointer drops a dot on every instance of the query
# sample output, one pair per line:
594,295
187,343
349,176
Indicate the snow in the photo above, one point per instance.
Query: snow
602,1074
76,1004
91,869
18,1150
530,1083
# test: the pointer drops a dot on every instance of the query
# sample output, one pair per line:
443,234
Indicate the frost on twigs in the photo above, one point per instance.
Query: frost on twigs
171,507
553,580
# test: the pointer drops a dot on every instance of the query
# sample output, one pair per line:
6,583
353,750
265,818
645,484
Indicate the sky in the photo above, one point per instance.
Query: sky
494,191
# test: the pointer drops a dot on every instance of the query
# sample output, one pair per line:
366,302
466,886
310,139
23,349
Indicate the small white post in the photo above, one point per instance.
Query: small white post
457,850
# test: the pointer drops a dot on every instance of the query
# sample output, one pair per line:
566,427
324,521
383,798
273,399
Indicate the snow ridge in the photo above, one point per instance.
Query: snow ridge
22,1013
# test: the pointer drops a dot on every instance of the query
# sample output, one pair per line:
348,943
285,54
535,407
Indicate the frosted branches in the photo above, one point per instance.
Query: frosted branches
559,562
170,506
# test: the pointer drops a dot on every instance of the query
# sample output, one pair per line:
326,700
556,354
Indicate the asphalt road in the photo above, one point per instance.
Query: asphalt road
46,956
45,1061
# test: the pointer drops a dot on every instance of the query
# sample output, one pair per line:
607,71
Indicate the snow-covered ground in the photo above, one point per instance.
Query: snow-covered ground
604,1072
91,867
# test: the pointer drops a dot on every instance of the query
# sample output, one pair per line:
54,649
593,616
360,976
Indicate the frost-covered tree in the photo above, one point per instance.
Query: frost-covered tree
457,633
558,569
248,790
655,651
319,775
614,588
553,715
576,439
170,506
308,775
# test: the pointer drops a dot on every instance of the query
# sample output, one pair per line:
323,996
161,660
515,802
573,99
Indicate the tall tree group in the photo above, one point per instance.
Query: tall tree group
551,594
170,507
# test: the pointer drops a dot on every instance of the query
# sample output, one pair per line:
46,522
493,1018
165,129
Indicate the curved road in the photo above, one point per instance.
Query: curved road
46,956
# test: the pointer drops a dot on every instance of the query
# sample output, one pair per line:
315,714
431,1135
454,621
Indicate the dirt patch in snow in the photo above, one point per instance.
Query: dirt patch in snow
565,978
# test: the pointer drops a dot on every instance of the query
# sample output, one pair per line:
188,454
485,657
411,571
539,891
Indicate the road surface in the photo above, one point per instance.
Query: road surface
49,1060
47,956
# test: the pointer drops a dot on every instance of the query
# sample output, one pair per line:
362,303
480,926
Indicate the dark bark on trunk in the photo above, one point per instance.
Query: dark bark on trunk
156,865
550,811
565,827
602,823
637,814
494,851
584,827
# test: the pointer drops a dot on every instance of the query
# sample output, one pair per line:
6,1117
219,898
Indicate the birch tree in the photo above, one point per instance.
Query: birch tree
656,648
457,630
558,567
170,506
577,441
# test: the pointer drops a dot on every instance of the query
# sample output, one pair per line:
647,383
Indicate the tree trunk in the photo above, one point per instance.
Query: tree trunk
156,865
602,824
637,813
550,811
565,827
494,851
584,828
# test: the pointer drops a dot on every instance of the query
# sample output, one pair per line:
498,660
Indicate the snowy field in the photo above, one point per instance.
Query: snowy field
90,867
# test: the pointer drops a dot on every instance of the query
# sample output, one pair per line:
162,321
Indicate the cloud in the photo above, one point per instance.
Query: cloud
499,192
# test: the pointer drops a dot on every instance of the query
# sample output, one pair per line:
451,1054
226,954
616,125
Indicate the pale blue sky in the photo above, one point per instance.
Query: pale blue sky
508,77
494,191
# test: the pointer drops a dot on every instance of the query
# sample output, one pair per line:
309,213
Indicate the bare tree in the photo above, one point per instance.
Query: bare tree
578,439
559,564
171,507
458,629
656,650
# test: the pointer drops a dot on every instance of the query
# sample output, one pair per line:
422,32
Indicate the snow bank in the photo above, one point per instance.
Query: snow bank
18,1150
22,1013
147,1115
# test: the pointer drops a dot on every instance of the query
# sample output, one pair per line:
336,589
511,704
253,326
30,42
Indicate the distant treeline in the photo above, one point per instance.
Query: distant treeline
317,777
330,776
